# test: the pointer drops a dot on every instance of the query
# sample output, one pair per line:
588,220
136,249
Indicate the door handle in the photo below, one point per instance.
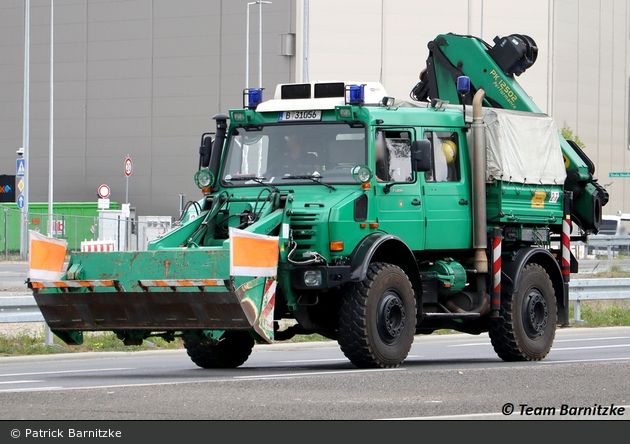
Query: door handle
463,202
416,203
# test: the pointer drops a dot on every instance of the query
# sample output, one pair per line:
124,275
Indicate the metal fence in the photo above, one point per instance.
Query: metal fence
600,245
128,233
24,308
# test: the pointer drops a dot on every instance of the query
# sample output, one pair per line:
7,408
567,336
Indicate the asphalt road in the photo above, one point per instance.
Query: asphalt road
13,274
450,376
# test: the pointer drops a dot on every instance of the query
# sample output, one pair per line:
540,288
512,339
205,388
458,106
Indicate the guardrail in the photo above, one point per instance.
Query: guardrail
596,290
607,243
25,309
19,309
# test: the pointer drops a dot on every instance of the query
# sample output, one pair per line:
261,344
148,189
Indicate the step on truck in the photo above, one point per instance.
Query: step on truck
335,209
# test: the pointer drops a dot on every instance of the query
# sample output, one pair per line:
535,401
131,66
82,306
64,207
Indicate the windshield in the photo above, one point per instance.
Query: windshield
285,154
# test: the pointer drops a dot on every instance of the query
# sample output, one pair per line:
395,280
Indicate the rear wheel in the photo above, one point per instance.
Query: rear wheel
377,320
231,351
526,326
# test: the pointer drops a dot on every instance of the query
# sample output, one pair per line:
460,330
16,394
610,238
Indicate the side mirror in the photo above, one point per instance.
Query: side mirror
204,152
421,155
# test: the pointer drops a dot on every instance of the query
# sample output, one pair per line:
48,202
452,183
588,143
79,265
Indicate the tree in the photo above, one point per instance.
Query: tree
567,133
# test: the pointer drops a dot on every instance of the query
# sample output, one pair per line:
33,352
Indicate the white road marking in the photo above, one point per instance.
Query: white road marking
148,384
555,341
67,371
591,347
314,360
300,375
234,379
585,360
21,382
591,339
466,416
330,360
31,389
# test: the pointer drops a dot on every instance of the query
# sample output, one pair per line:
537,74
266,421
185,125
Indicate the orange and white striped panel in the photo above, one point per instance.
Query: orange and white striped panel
71,284
182,283
47,256
253,254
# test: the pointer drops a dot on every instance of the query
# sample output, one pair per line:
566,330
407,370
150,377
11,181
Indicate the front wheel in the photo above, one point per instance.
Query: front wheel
231,351
377,320
526,326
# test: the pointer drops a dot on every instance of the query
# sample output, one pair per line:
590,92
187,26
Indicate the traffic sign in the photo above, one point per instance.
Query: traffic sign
619,174
128,167
103,204
20,201
20,168
21,185
103,191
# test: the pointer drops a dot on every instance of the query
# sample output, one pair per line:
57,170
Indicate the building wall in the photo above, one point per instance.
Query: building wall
137,77
581,76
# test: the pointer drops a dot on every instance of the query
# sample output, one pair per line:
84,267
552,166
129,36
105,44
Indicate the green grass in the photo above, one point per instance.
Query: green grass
25,344
597,315
614,272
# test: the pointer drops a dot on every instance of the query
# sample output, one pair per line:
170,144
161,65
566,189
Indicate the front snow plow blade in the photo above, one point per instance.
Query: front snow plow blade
198,295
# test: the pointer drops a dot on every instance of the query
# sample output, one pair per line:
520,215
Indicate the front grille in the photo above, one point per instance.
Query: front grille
304,234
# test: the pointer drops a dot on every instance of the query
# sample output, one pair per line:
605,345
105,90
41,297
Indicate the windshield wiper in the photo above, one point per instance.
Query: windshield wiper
258,179
314,177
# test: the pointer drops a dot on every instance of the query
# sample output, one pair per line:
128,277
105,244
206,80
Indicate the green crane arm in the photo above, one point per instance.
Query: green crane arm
494,69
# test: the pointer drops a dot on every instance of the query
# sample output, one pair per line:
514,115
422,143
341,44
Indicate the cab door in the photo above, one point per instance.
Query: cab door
447,192
399,202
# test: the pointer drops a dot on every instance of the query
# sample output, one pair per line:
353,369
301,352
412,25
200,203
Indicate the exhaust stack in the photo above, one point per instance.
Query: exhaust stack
480,238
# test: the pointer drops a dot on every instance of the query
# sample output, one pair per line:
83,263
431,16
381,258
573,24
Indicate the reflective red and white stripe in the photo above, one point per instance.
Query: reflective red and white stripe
182,283
566,246
71,284
97,246
496,270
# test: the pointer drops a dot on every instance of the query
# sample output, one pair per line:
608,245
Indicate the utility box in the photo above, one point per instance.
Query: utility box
152,227
112,225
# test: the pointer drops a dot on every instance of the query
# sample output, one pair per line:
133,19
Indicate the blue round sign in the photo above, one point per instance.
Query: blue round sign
20,201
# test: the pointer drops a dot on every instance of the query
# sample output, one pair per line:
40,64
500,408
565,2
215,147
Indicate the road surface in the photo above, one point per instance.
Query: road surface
450,376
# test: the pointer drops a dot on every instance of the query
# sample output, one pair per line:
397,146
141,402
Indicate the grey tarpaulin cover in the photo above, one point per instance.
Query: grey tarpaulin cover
522,147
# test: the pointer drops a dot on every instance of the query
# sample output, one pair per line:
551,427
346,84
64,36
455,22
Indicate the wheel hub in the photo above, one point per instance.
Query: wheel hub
390,317
535,314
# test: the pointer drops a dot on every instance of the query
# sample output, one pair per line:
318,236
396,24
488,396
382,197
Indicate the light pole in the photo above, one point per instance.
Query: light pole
259,3
25,127
51,124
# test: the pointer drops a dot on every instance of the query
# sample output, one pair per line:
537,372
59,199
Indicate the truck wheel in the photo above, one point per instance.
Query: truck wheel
231,351
377,320
526,326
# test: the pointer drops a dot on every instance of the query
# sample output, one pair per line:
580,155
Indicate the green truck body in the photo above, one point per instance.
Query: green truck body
386,227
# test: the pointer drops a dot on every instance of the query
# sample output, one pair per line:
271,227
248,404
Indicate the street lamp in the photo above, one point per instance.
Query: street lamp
50,228
259,3
25,128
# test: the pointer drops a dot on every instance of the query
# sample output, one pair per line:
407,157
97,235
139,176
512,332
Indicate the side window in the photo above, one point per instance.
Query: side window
445,163
393,156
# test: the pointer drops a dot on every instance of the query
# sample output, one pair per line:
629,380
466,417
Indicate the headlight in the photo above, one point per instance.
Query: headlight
204,178
361,173
313,278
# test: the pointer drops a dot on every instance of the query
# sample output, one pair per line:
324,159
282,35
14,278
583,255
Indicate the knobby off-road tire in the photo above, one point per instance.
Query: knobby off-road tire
377,319
526,326
231,351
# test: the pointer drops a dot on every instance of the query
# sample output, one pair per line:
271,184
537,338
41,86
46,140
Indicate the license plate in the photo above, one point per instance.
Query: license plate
294,116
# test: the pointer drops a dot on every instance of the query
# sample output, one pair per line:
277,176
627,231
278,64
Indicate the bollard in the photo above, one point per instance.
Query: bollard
48,336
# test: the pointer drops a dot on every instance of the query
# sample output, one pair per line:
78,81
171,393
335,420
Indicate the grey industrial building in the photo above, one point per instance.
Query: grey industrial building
144,77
